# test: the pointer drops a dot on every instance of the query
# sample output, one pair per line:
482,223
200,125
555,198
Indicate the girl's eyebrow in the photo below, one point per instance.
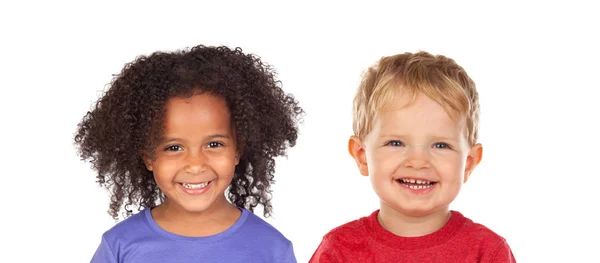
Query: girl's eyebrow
215,136
168,139
210,137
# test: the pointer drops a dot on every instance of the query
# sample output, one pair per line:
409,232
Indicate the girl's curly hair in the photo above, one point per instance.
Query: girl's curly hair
127,122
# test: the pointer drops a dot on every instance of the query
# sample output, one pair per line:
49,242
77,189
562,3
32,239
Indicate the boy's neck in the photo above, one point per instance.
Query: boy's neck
412,226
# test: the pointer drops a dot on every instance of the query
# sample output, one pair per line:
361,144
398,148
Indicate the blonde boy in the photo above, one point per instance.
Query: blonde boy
415,135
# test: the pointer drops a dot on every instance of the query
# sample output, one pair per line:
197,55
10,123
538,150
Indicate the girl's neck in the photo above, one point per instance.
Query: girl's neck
412,226
216,219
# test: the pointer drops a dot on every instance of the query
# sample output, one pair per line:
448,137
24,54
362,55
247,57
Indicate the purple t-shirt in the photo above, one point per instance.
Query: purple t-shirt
140,239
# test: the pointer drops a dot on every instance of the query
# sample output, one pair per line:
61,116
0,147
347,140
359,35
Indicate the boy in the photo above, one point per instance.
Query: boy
416,126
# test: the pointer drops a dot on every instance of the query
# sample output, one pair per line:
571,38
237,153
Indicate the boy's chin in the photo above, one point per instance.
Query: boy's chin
417,211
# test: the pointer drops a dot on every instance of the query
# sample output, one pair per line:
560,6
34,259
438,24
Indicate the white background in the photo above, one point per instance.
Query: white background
536,66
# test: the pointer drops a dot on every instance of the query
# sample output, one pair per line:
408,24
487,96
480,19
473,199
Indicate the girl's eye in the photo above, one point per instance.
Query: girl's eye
214,144
173,148
395,143
441,145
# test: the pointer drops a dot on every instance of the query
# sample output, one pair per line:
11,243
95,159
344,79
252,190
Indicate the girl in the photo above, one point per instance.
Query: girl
176,131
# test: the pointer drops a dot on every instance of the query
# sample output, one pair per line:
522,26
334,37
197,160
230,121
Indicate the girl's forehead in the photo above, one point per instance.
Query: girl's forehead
201,111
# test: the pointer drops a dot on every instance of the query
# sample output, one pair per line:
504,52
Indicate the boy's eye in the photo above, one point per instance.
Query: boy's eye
214,144
441,145
395,143
173,148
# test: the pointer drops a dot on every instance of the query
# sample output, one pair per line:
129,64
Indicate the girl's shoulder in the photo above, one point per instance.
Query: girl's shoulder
254,225
135,225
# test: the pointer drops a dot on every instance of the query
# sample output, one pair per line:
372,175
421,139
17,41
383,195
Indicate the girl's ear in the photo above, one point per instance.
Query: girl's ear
147,161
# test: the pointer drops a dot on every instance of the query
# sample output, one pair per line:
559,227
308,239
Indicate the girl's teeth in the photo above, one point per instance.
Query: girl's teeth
195,186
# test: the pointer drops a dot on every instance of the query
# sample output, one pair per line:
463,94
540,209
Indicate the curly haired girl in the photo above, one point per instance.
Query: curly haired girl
189,139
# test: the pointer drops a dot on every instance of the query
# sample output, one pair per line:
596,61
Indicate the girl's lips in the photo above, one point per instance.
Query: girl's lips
194,189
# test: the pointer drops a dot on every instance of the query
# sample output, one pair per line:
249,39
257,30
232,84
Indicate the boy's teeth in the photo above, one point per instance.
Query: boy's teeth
413,181
419,186
194,186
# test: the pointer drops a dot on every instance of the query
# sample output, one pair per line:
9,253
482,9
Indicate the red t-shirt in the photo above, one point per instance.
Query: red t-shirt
365,240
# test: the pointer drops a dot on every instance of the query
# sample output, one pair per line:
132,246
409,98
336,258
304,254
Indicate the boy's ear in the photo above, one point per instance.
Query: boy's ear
357,151
473,160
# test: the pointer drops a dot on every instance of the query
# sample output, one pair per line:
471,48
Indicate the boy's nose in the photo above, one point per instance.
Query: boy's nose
417,158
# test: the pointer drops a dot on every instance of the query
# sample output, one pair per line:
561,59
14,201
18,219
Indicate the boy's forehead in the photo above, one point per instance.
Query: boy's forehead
404,118
419,113
418,105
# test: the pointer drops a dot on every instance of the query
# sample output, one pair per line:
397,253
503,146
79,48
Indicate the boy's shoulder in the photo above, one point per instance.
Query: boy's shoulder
345,243
479,233
364,240
359,231
352,232
483,241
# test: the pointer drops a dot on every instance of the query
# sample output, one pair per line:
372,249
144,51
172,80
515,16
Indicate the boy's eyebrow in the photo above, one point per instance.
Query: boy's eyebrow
446,138
391,135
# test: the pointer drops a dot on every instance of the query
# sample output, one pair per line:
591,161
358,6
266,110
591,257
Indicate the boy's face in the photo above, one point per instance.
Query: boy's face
196,159
416,155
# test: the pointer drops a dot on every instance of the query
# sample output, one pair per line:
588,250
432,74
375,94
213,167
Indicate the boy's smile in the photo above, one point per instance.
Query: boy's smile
417,186
416,155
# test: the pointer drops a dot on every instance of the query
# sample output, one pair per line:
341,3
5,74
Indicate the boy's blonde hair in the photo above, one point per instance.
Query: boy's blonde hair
438,77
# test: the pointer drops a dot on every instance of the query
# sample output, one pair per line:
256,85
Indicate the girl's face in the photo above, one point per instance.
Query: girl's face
196,157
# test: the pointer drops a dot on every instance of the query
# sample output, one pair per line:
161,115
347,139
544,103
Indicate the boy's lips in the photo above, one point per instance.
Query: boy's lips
415,180
416,186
